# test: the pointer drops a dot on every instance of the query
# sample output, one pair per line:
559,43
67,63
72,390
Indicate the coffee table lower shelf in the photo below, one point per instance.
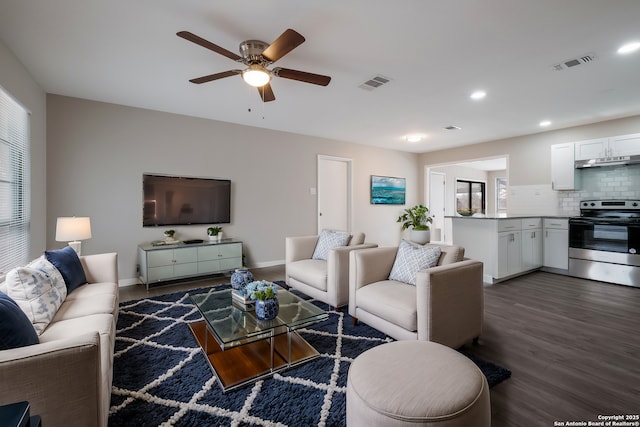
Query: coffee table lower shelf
244,364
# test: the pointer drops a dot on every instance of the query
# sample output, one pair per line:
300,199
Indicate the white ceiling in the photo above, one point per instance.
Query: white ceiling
436,52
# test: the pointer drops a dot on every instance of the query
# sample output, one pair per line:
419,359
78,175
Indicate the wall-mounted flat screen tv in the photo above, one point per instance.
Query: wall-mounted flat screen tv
175,200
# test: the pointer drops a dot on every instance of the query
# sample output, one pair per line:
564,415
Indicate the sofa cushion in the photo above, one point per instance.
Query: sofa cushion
392,301
16,330
412,258
39,291
312,272
86,306
328,240
68,263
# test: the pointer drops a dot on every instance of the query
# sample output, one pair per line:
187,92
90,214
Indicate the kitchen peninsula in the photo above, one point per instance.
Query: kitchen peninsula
513,245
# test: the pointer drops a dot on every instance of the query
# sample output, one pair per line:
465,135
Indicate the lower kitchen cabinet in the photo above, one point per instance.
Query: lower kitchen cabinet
556,243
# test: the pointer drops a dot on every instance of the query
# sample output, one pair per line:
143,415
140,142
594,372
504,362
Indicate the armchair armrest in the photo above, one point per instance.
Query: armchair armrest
450,304
60,379
100,268
338,269
299,247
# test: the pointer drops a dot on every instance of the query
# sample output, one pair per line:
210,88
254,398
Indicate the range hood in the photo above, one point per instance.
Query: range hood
607,161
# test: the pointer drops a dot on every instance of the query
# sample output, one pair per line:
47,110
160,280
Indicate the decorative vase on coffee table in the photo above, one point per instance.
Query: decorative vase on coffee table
240,278
267,309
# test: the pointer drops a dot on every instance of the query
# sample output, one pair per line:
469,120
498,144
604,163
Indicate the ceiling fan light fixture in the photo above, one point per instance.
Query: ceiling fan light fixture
256,75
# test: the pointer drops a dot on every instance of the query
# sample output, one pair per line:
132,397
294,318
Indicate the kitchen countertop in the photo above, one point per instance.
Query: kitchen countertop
506,216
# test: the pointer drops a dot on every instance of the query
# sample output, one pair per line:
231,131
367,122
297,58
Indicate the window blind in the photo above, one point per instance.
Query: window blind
15,215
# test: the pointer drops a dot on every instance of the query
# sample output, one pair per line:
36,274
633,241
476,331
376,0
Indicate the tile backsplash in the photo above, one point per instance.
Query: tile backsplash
609,182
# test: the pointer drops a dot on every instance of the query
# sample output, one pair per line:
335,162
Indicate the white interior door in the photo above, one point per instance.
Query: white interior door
437,194
334,193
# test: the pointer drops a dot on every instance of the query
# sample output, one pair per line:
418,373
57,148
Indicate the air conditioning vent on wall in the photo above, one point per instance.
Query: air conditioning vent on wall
573,62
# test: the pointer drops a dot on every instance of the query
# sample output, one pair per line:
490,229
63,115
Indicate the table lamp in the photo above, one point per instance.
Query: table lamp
72,230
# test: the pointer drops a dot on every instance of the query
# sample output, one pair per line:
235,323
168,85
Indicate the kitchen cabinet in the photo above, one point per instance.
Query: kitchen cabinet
531,243
509,260
556,243
622,145
171,262
564,175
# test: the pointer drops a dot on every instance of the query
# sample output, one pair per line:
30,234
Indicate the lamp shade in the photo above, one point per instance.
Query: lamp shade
73,228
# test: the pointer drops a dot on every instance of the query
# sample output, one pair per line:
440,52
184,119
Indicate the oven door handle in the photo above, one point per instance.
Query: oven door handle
596,222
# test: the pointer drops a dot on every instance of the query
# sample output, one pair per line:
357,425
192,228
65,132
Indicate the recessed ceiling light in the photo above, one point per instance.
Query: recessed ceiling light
414,138
479,94
545,123
628,48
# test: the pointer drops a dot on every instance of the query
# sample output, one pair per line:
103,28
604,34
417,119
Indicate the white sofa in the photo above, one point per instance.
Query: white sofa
67,377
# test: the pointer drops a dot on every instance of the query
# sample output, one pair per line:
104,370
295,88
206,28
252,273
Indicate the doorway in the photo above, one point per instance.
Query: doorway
334,193
437,194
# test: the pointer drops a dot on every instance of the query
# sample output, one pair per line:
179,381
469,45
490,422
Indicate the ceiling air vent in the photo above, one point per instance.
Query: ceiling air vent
451,127
374,82
574,62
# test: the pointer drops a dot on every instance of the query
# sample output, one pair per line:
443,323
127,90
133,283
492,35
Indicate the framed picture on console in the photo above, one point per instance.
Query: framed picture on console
388,190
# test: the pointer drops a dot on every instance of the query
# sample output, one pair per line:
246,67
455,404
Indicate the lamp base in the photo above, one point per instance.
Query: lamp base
77,246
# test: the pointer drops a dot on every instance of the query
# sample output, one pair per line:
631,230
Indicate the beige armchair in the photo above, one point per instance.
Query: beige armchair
327,281
445,306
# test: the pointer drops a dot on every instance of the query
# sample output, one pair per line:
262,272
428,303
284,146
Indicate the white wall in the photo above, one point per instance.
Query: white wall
16,80
97,153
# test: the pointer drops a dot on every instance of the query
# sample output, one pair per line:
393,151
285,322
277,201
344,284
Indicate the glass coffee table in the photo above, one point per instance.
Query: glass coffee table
242,349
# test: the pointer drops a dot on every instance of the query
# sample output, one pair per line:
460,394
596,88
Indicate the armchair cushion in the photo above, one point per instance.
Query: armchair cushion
392,301
412,258
328,240
313,272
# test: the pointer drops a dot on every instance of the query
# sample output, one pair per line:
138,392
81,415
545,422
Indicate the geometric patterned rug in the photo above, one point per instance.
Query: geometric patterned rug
161,376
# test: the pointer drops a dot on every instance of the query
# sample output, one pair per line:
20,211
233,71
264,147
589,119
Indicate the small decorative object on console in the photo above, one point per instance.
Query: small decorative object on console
214,233
240,278
168,236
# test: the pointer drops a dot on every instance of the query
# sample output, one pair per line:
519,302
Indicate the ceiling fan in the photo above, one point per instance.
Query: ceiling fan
257,56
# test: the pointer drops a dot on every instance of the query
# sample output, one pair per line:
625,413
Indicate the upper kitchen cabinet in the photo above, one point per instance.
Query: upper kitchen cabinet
623,145
564,175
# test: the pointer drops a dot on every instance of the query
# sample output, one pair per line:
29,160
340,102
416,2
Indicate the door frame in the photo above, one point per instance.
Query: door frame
349,183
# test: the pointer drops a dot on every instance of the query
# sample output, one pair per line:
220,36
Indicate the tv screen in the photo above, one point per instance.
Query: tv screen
174,200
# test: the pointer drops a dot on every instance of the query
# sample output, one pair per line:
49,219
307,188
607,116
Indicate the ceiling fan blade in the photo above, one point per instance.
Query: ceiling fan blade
216,76
284,44
302,76
205,43
266,93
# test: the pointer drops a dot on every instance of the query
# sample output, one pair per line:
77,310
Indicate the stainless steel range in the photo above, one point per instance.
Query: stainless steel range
604,241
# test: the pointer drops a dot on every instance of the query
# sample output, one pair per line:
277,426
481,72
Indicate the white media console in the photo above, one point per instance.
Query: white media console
180,261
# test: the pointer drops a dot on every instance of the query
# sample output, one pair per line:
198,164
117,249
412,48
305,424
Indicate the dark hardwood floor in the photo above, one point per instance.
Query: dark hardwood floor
572,345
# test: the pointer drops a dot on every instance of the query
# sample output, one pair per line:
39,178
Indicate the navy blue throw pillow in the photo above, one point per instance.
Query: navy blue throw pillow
68,264
16,329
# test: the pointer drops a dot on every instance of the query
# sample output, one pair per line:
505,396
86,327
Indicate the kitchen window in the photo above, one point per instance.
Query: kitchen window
470,197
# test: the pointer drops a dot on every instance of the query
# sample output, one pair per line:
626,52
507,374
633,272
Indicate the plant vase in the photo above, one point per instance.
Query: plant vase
267,309
213,238
421,236
240,278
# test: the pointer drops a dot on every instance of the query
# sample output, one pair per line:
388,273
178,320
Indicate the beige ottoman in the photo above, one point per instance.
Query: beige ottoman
416,383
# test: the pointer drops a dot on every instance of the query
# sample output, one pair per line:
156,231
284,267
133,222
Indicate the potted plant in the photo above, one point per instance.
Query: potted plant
168,235
416,219
214,233
265,295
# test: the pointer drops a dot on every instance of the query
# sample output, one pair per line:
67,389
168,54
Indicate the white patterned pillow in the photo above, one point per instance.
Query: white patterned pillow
38,289
328,240
412,258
